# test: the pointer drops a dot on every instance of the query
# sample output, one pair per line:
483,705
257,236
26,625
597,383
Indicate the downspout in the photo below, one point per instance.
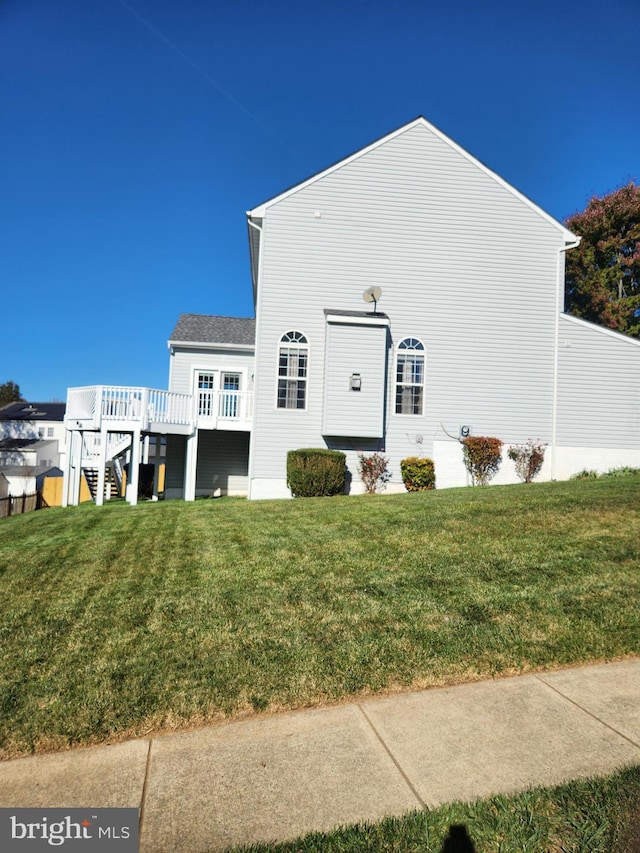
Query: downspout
258,294
255,280
556,346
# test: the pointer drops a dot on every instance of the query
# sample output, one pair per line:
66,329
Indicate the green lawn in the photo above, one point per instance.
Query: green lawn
590,816
120,620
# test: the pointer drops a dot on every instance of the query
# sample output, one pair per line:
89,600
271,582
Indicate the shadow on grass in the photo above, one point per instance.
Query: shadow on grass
458,840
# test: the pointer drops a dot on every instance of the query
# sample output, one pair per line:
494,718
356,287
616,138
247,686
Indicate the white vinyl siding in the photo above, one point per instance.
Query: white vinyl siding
462,263
598,387
355,349
184,360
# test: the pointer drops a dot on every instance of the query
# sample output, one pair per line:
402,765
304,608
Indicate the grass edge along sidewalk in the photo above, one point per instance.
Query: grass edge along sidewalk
121,621
598,815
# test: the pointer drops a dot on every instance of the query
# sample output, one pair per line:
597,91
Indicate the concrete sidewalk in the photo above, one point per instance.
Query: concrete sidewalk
280,777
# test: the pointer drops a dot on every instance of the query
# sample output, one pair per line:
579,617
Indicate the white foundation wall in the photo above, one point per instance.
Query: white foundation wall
451,472
262,488
572,460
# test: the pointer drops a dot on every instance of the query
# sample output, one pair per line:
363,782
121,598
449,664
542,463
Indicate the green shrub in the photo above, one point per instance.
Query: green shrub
316,472
482,457
622,471
585,474
418,474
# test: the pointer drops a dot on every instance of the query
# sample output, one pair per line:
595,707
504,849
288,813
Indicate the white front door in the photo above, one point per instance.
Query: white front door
229,395
206,381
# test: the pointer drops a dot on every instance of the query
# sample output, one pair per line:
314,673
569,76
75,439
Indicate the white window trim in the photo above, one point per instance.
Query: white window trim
197,372
242,371
395,384
280,344
218,372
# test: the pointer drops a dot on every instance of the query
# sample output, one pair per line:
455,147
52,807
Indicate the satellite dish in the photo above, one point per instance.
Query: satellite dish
372,294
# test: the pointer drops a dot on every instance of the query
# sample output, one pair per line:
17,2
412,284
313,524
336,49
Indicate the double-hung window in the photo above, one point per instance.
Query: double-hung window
410,377
293,362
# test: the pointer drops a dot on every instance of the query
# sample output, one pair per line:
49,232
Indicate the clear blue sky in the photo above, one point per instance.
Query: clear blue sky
134,136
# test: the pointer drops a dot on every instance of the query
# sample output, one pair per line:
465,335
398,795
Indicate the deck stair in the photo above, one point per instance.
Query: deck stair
111,488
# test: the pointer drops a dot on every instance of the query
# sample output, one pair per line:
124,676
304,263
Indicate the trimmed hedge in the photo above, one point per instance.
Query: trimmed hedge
418,474
316,472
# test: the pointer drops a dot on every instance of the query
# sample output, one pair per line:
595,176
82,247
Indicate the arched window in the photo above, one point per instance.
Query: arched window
410,377
293,360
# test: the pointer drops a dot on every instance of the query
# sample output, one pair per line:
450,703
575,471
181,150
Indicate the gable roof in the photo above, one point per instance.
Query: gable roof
259,211
24,411
603,330
28,471
212,329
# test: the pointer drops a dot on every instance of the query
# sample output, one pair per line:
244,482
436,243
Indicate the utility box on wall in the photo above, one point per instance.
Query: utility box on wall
355,374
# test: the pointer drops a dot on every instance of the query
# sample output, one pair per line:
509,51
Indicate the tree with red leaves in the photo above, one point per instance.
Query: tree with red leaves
603,273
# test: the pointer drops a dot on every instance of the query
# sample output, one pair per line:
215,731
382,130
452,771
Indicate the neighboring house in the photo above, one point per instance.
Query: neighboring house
202,423
17,480
29,452
469,332
32,434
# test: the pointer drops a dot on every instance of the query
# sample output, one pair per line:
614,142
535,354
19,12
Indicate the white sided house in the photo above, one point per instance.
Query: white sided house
212,361
468,331
197,431
32,435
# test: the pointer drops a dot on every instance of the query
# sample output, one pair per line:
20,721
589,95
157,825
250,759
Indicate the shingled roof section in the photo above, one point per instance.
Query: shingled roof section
206,329
23,411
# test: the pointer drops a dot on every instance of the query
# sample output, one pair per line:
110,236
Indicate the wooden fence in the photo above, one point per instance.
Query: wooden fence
17,504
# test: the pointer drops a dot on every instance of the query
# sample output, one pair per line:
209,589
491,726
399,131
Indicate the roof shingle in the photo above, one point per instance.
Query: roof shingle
23,411
205,328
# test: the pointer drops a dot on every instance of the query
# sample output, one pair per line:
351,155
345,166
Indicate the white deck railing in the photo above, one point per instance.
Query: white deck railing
225,405
120,404
93,406
117,443
81,403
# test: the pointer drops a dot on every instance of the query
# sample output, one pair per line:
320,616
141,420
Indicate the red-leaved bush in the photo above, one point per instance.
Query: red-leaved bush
528,458
374,472
482,457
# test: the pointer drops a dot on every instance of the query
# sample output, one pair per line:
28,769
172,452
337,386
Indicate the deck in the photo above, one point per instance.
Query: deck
121,408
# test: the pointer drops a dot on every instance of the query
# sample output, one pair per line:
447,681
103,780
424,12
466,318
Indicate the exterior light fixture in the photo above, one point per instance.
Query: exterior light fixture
355,383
